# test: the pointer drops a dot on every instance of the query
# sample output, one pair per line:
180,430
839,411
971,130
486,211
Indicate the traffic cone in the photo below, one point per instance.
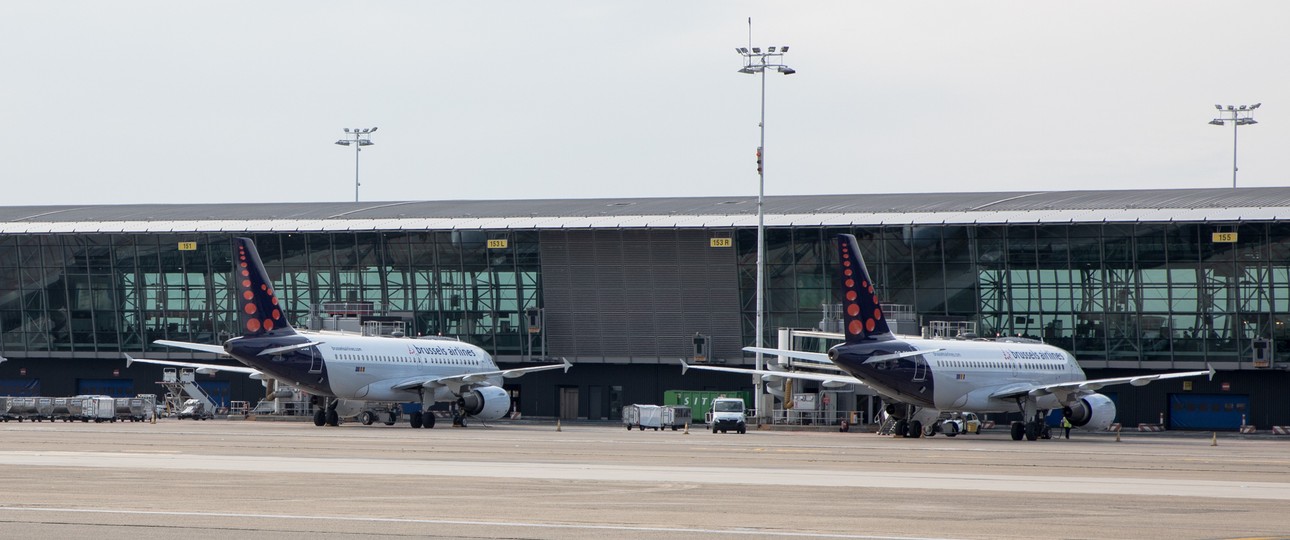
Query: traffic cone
687,428
1214,441
1117,435
557,424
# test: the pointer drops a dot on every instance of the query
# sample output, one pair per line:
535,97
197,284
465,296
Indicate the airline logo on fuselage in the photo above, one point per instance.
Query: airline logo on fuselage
1033,355
439,350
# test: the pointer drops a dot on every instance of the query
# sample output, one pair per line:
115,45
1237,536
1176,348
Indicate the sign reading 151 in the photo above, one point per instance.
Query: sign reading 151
498,243
1224,238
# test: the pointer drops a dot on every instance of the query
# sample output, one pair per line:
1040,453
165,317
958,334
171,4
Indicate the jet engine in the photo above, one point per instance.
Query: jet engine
1094,412
485,402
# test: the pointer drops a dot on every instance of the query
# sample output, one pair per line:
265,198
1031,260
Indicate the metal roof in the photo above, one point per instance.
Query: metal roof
1190,205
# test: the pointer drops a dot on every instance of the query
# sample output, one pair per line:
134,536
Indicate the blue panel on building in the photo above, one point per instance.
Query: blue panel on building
1208,411
20,387
105,387
218,390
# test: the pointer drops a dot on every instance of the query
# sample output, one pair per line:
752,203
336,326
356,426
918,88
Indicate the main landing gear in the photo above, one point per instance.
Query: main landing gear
1034,428
423,418
326,416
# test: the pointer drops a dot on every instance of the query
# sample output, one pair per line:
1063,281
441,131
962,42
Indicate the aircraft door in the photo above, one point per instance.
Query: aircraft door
316,361
920,369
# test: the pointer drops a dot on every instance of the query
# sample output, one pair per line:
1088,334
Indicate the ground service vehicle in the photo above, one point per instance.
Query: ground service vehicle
643,416
728,415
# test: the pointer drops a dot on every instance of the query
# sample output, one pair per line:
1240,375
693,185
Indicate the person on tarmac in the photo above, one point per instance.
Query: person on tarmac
1066,425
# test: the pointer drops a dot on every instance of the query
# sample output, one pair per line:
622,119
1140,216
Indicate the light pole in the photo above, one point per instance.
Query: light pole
358,138
1238,115
757,61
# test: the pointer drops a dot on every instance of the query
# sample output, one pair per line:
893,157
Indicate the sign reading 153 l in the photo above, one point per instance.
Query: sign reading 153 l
497,243
721,242
1224,237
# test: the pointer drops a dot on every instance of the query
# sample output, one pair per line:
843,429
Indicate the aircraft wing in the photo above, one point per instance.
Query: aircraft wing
457,381
203,347
827,379
201,368
1017,390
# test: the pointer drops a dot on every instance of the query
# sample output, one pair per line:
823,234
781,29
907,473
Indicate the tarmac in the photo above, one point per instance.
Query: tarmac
531,479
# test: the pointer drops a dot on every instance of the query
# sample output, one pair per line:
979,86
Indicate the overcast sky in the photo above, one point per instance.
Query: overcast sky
241,101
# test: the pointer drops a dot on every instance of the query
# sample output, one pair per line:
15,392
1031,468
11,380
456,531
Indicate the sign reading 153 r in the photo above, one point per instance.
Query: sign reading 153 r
721,242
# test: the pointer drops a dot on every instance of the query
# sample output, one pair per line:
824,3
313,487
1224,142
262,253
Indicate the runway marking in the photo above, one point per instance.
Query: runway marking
761,476
523,524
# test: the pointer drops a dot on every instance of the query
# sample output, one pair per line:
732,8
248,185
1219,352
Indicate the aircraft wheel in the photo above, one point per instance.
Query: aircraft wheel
367,418
333,419
629,427
320,418
415,420
392,419
427,420
1032,431
900,428
1018,431
915,429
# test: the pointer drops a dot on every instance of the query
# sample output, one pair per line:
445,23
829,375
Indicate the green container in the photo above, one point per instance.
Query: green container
700,401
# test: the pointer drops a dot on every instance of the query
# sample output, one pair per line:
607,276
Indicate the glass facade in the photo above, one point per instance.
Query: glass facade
1114,292
103,294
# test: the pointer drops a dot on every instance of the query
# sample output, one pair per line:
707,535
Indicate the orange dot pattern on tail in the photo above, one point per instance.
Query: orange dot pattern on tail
257,320
852,294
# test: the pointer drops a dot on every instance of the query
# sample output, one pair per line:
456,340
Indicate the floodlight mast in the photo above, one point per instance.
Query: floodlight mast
756,61
1238,115
358,138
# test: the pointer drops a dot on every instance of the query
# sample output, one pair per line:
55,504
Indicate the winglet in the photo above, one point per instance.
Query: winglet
684,367
1211,369
567,364
128,360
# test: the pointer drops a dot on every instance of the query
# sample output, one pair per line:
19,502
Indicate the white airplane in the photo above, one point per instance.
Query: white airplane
351,368
933,375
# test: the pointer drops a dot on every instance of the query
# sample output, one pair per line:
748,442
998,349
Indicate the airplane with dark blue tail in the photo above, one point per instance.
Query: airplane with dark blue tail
920,378
351,370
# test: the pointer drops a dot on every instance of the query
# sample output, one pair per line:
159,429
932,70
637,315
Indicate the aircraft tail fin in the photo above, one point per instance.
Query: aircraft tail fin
258,310
862,314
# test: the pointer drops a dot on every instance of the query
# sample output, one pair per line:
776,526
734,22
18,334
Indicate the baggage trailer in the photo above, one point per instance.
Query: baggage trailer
643,416
675,416
69,409
31,408
100,408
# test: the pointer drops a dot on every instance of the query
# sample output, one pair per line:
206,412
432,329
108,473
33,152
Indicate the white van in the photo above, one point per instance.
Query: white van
728,415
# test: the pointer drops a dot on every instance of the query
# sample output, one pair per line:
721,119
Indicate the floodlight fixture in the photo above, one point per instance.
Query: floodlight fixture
358,139
1238,116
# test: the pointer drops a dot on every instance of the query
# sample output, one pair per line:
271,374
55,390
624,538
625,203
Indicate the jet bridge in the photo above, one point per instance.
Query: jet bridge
181,385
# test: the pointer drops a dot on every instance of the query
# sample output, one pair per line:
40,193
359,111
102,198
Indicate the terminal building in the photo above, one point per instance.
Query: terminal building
1128,280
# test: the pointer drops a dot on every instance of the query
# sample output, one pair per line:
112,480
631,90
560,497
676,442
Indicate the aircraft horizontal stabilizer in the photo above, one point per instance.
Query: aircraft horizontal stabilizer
831,381
289,348
213,349
814,357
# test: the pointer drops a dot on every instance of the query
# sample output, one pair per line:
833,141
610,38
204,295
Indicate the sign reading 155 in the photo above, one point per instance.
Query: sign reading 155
1224,237
498,243
721,242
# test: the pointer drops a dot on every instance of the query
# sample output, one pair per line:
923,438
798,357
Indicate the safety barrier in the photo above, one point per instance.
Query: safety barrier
1281,430
1150,427
1114,427
1248,429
